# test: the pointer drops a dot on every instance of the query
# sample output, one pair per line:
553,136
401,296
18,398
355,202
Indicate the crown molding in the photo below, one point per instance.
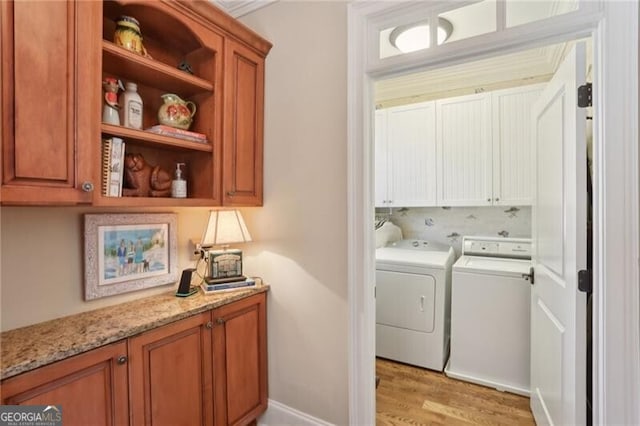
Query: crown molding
238,8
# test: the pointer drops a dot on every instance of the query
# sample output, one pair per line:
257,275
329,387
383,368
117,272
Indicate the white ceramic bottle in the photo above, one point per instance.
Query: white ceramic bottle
131,104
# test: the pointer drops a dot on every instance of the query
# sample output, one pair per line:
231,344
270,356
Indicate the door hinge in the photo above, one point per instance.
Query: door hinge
530,276
584,95
585,281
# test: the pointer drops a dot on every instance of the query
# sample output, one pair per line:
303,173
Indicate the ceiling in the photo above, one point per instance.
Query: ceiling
517,69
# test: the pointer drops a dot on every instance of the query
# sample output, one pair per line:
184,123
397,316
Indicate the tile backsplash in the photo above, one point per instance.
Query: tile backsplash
449,224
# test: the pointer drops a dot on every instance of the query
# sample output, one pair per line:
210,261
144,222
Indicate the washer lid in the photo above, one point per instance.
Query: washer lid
492,265
417,258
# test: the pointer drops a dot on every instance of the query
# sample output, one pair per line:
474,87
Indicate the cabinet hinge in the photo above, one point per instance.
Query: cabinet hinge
585,281
584,95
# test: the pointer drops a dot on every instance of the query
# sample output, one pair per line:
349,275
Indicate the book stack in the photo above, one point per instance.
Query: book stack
112,166
161,129
228,286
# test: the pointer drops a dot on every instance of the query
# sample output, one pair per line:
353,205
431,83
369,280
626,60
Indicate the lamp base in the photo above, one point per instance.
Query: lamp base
224,265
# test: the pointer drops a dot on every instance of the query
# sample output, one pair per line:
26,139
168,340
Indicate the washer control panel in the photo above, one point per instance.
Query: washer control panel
517,248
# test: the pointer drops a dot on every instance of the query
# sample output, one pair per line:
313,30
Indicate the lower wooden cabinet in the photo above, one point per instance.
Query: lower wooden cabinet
91,387
207,369
240,361
170,374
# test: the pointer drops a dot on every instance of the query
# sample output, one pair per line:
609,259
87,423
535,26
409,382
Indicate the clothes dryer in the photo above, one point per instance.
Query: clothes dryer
413,290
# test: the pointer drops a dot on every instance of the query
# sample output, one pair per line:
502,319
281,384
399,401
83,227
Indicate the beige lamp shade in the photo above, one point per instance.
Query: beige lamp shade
225,227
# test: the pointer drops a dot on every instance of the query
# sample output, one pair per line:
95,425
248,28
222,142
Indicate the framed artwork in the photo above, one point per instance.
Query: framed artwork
129,252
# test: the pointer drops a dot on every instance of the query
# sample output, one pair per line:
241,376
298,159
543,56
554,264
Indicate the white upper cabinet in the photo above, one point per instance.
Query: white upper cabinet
464,151
381,169
406,157
470,150
512,144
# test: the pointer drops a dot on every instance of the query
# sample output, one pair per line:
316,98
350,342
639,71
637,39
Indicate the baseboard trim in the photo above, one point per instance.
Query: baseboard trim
279,414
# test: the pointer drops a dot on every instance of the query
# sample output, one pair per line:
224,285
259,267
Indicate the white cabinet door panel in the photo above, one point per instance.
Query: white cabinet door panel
558,309
512,144
381,159
411,145
464,151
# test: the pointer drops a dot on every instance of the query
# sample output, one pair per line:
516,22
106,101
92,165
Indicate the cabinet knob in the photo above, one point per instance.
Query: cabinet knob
489,200
231,193
209,324
497,199
87,186
220,321
122,359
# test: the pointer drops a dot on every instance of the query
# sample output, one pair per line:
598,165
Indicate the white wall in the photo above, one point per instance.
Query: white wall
300,233
42,264
448,225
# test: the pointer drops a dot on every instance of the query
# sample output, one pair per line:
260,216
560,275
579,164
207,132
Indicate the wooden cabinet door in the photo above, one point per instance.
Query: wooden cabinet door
50,99
242,147
411,147
464,151
170,374
512,134
90,387
240,354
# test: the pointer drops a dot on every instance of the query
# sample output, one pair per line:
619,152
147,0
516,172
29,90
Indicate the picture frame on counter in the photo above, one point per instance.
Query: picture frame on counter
129,252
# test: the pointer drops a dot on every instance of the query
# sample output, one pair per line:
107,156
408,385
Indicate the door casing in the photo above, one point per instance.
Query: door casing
616,319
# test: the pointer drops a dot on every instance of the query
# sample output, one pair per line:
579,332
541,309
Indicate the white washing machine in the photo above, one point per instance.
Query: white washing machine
490,321
413,290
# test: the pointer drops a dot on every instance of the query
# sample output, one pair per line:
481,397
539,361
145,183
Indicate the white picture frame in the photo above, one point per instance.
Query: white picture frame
129,252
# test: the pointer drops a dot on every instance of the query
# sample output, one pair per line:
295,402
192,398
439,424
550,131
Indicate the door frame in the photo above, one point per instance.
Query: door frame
616,230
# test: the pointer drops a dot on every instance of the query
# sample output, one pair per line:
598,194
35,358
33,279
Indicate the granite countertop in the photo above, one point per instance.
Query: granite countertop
27,348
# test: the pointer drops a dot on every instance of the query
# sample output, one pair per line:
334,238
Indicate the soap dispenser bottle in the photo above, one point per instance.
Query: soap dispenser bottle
178,184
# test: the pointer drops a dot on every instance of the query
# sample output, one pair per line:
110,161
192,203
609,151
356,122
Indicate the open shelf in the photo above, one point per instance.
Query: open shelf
131,66
153,202
152,139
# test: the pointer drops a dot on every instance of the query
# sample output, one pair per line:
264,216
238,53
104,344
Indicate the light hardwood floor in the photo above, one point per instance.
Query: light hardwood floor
409,395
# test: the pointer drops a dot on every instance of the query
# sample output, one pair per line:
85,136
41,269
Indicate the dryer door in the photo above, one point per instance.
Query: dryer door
405,300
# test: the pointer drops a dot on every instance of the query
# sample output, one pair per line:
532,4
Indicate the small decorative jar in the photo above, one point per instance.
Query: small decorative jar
110,107
176,112
128,35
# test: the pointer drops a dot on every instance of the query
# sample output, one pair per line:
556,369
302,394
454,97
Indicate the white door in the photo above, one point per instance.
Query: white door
558,343
512,144
464,150
381,161
411,146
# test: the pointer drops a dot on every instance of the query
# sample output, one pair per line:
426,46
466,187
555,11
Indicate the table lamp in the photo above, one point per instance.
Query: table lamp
223,228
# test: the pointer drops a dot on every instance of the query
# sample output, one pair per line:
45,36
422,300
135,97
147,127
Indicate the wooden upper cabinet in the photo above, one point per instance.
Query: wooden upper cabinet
240,361
170,374
91,387
55,56
48,63
242,149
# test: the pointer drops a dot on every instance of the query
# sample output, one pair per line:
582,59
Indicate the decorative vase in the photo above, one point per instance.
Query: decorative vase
128,35
176,112
110,108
